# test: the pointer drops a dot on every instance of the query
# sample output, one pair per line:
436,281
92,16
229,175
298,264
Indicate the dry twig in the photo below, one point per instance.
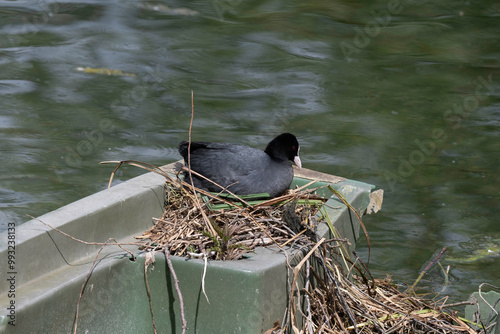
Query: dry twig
176,284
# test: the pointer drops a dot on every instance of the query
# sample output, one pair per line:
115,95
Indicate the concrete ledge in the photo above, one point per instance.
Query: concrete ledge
117,213
246,296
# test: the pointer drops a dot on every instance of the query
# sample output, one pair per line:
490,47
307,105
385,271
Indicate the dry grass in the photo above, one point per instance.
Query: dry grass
238,230
335,304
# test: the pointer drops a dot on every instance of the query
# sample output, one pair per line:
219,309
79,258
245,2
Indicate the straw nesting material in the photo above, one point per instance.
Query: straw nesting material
185,224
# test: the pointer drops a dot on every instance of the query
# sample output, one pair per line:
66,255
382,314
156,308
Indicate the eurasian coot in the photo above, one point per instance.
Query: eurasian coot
241,169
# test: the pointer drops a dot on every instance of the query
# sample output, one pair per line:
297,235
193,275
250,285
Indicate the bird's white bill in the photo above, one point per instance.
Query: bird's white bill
297,161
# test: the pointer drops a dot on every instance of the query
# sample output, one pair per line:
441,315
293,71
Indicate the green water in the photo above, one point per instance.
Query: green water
401,94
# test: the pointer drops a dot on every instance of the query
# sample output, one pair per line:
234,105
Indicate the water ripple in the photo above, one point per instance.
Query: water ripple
11,87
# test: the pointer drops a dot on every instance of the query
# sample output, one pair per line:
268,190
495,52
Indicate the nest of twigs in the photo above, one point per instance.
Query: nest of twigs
337,294
190,226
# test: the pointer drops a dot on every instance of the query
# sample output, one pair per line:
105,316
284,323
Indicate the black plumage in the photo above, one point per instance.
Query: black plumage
241,169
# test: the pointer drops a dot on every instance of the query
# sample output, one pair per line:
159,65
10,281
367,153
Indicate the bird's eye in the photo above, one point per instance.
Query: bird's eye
294,148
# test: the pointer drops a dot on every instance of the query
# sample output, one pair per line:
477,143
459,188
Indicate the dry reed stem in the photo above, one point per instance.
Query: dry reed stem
85,281
149,259
176,284
196,200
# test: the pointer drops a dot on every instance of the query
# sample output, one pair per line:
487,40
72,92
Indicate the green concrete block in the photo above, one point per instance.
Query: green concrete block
482,312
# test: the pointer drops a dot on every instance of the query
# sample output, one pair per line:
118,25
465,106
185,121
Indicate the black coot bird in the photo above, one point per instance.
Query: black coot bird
241,169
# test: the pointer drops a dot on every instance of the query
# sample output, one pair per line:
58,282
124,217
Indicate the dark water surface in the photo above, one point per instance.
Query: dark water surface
401,94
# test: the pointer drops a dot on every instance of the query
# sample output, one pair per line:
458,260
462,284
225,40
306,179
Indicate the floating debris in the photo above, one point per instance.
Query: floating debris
480,248
157,7
104,71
